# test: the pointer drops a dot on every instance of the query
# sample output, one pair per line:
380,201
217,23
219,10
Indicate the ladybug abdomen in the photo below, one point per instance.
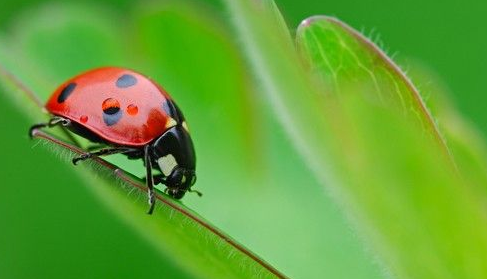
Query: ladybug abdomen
118,105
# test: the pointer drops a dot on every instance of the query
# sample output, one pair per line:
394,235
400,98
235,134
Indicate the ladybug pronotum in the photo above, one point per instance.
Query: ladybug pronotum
132,115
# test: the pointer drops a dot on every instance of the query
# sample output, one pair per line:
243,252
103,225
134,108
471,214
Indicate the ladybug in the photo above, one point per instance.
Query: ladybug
131,115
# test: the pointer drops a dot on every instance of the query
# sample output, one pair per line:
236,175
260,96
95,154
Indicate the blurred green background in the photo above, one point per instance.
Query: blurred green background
53,227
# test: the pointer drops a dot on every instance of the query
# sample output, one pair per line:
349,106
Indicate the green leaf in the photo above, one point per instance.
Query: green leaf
185,233
341,58
398,187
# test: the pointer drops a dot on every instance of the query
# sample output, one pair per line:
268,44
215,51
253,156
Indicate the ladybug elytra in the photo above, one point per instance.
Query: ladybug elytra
133,116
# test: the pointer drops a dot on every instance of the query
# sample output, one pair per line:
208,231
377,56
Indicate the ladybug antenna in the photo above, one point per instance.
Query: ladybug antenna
195,191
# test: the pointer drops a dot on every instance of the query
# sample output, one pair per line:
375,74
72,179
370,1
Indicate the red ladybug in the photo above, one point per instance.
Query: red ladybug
132,115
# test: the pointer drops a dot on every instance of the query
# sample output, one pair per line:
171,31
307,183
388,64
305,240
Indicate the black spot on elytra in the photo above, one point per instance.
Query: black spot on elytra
66,92
113,118
111,110
126,81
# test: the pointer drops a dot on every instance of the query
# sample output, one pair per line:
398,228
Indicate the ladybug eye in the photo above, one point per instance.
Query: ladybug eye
110,106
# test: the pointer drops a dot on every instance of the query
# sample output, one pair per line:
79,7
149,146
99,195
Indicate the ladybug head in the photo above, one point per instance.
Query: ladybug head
180,181
174,154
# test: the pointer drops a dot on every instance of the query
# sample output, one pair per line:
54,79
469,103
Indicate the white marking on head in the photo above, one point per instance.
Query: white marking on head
171,123
167,164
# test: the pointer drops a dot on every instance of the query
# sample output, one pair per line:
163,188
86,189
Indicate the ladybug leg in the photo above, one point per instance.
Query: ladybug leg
149,179
94,147
102,152
56,120
35,127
